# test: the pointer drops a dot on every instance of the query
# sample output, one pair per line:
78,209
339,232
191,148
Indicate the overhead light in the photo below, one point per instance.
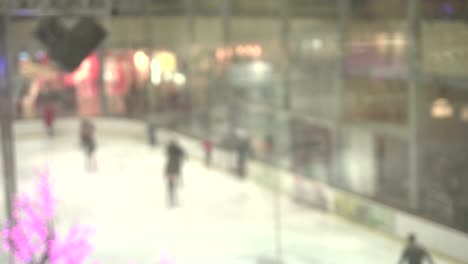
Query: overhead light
167,61
220,54
382,39
109,75
179,79
259,67
442,108
399,40
317,44
141,61
399,43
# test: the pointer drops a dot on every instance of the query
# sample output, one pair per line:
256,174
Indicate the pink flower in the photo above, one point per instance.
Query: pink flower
31,237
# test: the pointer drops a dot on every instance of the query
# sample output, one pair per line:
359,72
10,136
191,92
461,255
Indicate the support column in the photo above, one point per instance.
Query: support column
344,22
413,61
226,21
6,117
150,87
277,195
190,16
285,44
230,93
190,27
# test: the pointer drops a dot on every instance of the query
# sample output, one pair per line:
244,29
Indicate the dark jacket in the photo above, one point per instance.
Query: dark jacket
414,254
175,157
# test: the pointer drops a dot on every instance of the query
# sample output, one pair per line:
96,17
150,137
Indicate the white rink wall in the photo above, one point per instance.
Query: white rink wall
436,237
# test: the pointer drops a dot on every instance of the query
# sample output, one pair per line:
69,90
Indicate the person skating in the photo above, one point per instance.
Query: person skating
175,158
49,118
208,149
88,143
414,253
242,152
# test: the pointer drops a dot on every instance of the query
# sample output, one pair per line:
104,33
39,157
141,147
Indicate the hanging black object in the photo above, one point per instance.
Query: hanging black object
51,32
69,48
83,39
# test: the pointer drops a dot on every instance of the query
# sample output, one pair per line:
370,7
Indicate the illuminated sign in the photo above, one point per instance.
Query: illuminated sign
253,51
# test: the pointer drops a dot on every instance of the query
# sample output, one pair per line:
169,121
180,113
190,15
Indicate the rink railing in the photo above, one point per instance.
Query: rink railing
440,239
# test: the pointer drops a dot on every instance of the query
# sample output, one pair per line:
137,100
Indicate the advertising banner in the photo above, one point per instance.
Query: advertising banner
364,212
312,193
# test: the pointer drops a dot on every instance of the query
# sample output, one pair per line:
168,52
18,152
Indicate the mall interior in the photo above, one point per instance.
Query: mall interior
364,100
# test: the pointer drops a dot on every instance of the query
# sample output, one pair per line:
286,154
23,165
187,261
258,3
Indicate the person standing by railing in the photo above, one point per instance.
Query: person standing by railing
208,149
414,253
49,118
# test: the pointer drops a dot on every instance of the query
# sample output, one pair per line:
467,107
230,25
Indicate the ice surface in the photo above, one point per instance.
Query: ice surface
220,219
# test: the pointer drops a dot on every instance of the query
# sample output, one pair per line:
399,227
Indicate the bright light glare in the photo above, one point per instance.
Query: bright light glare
399,40
317,44
167,61
383,41
83,71
220,54
259,67
155,72
109,76
109,69
141,61
179,79
442,108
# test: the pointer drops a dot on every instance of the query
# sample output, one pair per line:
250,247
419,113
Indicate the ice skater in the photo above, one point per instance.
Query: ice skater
88,143
414,253
242,152
49,118
208,149
175,158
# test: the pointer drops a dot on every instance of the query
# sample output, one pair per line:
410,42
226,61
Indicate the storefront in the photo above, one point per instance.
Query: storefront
134,83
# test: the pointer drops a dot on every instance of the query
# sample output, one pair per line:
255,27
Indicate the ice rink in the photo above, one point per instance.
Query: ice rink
220,219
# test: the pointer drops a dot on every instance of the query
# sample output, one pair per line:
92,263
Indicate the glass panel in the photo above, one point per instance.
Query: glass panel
375,101
315,66
442,112
444,35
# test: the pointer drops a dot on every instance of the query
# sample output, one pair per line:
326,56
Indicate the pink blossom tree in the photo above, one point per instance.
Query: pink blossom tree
32,238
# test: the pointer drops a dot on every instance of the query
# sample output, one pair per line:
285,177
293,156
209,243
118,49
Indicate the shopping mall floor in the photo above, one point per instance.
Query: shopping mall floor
220,219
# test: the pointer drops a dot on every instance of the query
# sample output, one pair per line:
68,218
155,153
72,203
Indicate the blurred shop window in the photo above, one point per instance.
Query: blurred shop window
311,150
370,100
392,162
444,9
116,84
42,83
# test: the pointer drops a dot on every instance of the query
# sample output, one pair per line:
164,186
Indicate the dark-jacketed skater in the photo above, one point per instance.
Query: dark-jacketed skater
175,158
